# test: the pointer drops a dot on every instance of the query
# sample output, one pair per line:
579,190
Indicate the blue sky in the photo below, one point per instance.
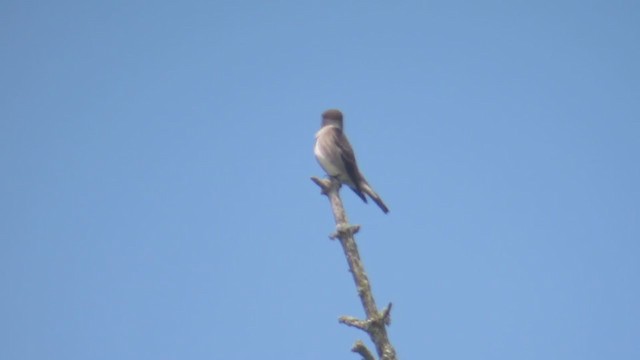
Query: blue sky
156,156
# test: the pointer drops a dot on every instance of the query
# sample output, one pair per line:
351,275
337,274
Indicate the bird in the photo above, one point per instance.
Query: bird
335,155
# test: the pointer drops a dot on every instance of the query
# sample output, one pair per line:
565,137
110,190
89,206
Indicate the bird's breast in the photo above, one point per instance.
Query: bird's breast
325,160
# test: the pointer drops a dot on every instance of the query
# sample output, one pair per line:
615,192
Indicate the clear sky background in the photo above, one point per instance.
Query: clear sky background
155,193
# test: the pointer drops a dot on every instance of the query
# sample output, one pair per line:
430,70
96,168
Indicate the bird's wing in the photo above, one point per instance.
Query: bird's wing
349,161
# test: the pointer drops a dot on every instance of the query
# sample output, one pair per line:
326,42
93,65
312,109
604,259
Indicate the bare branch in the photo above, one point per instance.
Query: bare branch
386,315
353,322
376,322
361,349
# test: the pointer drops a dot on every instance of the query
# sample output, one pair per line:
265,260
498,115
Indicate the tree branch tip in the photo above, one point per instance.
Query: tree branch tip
353,322
324,184
386,314
360,348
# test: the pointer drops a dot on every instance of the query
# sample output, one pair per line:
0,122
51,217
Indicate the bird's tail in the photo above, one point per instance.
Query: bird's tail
367,189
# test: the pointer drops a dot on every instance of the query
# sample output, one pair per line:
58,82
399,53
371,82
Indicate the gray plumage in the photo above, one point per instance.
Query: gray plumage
335,154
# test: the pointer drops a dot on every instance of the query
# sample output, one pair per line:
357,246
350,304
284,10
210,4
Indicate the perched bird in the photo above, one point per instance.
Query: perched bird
335,155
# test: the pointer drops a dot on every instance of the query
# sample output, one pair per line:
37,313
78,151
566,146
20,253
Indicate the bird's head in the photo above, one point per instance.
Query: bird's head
332,117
